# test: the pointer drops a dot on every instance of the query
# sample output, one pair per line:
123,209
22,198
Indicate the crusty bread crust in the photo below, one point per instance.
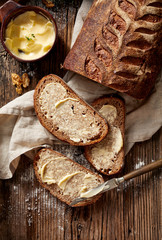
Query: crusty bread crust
47,123
119,122
55,190
120,46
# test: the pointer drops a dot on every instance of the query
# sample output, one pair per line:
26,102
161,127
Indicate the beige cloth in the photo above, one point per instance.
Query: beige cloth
21,132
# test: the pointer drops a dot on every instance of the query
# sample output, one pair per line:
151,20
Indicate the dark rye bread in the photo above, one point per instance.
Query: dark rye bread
63,113
108,163
120,46
54,189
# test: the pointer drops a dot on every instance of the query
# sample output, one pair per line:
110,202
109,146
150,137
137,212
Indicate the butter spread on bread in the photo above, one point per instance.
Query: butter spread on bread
66,115
63,177
63,101
120,46
107,156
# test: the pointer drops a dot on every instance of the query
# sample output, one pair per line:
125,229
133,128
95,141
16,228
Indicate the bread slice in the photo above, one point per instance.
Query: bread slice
62,112
108,155
64,178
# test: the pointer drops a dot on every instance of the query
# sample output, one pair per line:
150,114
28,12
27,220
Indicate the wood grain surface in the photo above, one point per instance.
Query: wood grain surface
29,212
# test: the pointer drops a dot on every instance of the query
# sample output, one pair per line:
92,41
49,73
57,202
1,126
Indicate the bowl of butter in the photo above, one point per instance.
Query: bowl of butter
28,33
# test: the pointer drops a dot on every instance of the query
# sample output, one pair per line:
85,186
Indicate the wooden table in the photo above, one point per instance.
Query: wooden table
27,211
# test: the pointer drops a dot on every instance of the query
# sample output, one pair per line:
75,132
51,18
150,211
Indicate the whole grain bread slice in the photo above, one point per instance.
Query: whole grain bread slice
108,155
53,168
63,113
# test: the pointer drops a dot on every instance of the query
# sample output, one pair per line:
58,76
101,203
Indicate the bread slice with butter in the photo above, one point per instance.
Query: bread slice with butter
108,155
64,178
62,112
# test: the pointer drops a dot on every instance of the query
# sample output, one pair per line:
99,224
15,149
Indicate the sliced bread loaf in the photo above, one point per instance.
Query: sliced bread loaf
62,112
108,155
64,178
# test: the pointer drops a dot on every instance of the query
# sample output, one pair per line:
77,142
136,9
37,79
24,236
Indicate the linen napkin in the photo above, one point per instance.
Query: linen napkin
22,133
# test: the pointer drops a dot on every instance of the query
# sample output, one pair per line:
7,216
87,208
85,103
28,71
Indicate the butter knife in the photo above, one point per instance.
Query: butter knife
115,182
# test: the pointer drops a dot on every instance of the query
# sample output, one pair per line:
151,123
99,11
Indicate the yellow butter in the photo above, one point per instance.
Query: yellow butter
87,178
109,112
57,104
83,190
62,183
30,35
46,179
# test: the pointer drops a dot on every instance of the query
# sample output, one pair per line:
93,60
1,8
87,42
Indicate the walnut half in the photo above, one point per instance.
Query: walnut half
25,80
48,3
19,82
16,80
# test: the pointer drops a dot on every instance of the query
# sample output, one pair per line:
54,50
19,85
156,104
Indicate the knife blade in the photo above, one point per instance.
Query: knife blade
108,185
114,182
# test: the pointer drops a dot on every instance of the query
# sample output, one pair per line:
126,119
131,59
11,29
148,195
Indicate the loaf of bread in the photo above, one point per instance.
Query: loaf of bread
65,115
108,155
120,46
64,178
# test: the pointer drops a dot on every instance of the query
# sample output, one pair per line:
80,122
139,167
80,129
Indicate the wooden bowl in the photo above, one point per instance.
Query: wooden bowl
11,10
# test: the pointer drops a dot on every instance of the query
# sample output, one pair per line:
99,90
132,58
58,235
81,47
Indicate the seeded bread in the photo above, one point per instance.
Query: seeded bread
64,178
63,113
120,46
108,155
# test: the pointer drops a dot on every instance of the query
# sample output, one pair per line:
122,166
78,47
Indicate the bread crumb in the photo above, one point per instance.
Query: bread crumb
25,80
139,165
48,3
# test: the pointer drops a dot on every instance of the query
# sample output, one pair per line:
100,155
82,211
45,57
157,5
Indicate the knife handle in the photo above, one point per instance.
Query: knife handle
143,170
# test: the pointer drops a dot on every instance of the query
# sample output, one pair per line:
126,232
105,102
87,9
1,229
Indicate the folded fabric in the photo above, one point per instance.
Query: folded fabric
22,133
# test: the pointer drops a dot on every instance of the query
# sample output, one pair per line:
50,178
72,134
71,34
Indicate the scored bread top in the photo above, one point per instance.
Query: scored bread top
65,115
120,46
108,155
63,177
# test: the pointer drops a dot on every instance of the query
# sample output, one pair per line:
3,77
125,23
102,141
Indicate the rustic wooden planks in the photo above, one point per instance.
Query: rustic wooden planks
27,211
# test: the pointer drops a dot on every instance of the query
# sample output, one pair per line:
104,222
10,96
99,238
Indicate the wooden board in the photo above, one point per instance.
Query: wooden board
28,212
